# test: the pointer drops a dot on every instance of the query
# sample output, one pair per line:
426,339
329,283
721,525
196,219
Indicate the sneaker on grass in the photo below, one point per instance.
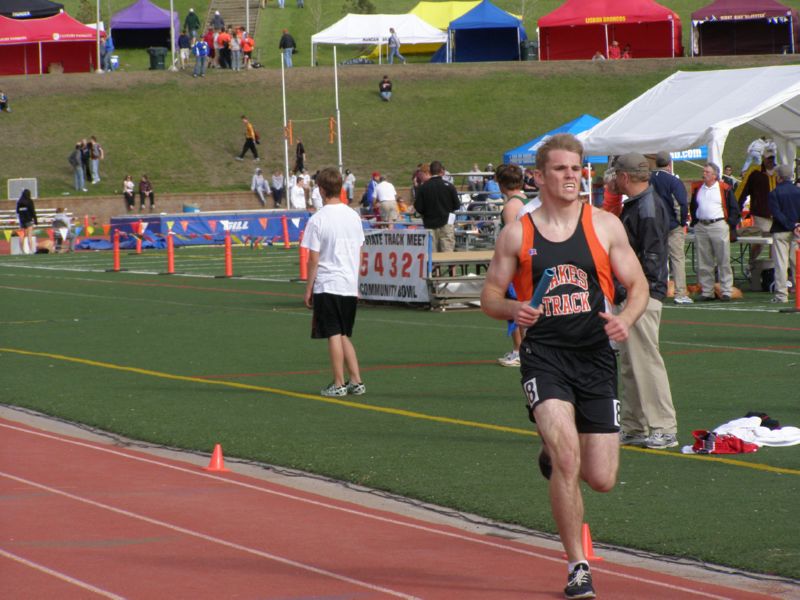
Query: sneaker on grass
579,583
334,391
632,439
511,359
683,300
658,440
356,389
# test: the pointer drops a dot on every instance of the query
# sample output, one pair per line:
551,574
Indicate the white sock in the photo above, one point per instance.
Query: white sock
571,566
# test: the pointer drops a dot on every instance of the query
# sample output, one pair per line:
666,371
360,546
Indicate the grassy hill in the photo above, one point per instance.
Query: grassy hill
184,132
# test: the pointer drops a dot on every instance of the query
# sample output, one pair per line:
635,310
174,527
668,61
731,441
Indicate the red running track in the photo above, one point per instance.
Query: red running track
81,519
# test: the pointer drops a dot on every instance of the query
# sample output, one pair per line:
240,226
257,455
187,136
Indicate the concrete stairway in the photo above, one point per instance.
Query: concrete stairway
234,13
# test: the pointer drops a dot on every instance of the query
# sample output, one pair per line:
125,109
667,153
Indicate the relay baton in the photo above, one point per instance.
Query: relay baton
538,293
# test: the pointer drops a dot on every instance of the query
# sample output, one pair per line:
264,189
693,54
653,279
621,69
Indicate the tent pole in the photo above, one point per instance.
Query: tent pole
791,31
172,66
247,15
40,59
672,34
285,134
605,27
338,113
99,68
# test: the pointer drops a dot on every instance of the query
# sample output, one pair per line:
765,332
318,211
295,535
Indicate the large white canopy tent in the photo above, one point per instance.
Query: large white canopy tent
690,109
367,30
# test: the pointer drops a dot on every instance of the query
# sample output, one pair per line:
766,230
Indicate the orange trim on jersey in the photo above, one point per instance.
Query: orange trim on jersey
523,279
602,263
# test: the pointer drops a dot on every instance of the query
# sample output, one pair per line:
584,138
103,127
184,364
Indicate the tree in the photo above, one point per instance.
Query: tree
87,13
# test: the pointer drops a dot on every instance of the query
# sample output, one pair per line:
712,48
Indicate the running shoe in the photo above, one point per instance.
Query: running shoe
579,583
334,391
356,389
509,360
659,441
632,439
683,300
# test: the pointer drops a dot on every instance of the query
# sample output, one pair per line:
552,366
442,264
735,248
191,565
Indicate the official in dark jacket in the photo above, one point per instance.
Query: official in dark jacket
436,200
672,191
647,415
784,205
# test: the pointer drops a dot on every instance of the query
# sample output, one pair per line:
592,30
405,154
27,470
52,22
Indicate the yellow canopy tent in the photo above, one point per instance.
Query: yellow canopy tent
438,14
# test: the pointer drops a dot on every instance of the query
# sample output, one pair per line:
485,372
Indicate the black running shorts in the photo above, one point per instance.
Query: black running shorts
585,378
333,315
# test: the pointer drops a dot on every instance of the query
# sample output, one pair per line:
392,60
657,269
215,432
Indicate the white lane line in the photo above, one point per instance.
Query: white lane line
60,575
210,538
356,512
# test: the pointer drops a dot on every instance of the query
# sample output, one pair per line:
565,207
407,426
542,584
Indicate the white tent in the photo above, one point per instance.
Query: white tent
690,109
366,30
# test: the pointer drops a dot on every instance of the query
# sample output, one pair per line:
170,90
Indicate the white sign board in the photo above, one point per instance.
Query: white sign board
395,264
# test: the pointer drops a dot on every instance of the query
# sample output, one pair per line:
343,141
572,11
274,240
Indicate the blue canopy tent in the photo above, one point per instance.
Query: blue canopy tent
485,33
525,154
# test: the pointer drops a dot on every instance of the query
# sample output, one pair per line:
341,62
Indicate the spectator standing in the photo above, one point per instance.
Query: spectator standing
572,400
316,196
287,45
217,22
236,50
200,51
26,213
394,47
249,140
191,24
97,154
299,157
297,194
386,195
146,193
128,188
108,50
368,198
76,163
224,44
727,177
475,182
4,107
784,203
86,159
672,192
757,183
385,88
248,43
184,49
210,38
755,152
647,415
349,185
614,52
334,237
301,4
437,201
277,187
714,215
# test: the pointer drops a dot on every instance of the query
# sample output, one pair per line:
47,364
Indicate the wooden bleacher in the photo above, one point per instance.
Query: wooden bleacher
457,277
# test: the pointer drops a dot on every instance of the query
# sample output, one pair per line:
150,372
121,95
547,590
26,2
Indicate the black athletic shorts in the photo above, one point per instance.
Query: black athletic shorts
333,315
585,378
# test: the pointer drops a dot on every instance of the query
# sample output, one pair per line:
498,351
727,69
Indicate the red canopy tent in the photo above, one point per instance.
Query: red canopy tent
32,45
579,28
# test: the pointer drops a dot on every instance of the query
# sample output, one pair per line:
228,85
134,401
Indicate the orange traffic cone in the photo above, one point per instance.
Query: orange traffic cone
217,463
586,542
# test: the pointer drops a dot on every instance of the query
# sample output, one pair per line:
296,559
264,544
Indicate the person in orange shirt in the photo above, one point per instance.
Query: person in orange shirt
250,140
248,43
614,52
224,43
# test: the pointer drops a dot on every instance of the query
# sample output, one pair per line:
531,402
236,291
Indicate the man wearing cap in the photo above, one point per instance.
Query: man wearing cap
714,216
757,183
784,203
217,22
672,191
192,24
647,415
436,201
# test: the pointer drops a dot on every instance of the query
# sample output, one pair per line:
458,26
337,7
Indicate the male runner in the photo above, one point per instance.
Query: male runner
569,370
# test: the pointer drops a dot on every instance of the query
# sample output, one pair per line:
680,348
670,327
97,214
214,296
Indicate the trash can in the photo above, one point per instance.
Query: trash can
528,50
157,58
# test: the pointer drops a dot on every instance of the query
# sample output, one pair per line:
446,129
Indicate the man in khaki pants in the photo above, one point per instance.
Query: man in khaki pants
647,415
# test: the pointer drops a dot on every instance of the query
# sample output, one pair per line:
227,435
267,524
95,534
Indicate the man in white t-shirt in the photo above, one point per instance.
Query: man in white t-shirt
297,194
334,237
386,196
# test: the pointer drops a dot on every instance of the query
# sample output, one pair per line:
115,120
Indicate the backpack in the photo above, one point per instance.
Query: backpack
258,137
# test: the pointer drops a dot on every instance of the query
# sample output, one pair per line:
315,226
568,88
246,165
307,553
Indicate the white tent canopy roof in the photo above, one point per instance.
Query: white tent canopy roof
374,29
690,109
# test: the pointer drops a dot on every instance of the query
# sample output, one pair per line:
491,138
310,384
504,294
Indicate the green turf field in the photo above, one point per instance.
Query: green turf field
191,361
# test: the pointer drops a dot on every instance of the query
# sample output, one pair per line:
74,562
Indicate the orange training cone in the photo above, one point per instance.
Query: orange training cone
217,463
586,543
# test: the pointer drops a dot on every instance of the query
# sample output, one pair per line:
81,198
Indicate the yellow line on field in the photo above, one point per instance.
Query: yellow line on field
270,390
378,409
